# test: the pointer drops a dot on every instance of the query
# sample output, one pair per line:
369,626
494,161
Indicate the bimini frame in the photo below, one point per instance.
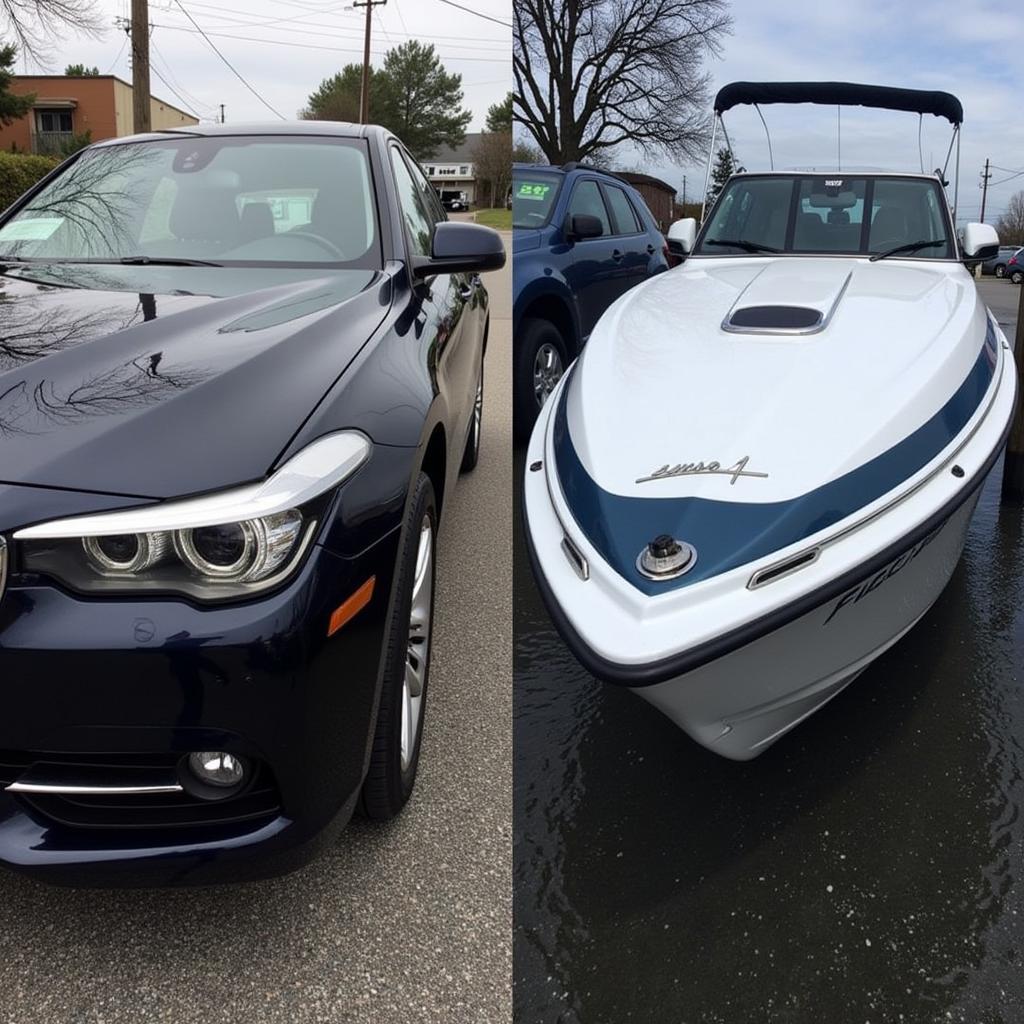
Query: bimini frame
839,94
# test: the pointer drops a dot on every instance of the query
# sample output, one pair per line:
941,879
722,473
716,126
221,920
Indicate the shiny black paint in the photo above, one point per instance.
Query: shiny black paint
122,385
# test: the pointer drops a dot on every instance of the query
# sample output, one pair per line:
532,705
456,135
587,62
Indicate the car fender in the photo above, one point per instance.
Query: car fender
541,291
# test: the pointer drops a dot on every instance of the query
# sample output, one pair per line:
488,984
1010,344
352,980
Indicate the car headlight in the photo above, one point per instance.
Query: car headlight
230,544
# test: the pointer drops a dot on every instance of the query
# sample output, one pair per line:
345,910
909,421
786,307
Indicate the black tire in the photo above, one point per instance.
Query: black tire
388,785
1016,277
533,336
471,456
1000,270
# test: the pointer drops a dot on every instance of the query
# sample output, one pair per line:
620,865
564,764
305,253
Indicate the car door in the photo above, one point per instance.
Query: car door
449,300
596,275
634,242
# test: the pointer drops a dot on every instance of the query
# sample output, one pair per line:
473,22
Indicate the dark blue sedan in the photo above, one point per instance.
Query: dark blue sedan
240,371
581,238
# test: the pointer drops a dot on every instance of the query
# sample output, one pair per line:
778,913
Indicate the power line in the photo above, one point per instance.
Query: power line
184,103
314,46
243,22
178,89
124,43
345,35
469,10
228,63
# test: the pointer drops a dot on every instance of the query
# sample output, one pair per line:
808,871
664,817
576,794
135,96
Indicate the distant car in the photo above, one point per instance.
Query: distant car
1014,268
581,238
997,265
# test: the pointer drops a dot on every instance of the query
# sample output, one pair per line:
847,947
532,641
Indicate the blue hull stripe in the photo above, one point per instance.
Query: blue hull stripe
728,534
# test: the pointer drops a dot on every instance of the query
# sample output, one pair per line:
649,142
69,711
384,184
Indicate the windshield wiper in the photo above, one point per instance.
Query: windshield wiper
741,243
909,247
164,261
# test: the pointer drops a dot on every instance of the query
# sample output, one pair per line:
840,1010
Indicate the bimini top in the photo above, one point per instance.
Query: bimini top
919,101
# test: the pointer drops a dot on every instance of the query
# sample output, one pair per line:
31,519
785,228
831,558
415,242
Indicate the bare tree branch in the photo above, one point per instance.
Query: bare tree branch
594,74
34,24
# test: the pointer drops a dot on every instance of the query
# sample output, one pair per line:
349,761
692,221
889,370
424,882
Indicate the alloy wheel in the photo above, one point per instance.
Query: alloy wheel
1000,271
547,372
418,652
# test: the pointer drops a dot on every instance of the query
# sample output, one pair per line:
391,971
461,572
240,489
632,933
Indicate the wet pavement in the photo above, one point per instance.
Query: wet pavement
867,868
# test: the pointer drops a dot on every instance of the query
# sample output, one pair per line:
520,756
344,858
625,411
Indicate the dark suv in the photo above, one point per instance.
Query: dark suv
581,238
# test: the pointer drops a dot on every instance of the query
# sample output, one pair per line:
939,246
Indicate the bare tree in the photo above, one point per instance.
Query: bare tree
34,24
592,74
1010,224
492,160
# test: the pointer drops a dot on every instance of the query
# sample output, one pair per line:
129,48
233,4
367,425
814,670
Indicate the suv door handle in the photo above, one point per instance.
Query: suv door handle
650,250
617,255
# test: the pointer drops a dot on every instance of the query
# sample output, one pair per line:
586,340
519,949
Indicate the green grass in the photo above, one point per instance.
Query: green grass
495,218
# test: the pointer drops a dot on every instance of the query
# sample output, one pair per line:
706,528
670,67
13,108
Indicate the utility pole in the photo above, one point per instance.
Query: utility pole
222,113
684,190
364,92
984,189
140,65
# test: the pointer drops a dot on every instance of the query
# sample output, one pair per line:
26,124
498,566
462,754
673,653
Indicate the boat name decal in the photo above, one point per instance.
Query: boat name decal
735,471
874,582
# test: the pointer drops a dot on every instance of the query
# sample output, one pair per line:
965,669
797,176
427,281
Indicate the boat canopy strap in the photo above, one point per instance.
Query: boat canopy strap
920,101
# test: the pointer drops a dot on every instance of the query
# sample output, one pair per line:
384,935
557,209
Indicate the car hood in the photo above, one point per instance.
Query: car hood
158,383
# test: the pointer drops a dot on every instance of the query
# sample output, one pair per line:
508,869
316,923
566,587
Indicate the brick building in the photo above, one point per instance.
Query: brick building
67,106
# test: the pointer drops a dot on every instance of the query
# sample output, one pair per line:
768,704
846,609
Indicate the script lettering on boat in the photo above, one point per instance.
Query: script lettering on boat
735,471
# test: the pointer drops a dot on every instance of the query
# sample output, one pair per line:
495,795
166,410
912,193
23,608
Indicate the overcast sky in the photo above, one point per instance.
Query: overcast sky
291,46
972,48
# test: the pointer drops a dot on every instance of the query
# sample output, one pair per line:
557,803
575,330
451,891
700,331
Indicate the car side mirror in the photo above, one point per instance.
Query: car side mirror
980,243
584,225
458,247
682,234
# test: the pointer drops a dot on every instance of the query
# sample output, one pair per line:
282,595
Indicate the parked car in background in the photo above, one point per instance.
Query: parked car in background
1014,268
228,442
997,265
581,238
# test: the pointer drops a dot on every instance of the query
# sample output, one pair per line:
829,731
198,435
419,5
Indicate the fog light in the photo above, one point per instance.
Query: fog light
216,768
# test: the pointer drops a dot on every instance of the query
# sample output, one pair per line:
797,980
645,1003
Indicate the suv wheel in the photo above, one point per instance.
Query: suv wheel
1000,270
540,362
1017,276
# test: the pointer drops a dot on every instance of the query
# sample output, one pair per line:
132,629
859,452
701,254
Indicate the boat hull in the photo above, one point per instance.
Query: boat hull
741,703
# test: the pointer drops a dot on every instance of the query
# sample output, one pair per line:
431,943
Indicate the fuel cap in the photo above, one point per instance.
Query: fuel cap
665,558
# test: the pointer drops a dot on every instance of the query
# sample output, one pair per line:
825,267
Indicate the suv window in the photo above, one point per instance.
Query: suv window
586,198
623,214
417,209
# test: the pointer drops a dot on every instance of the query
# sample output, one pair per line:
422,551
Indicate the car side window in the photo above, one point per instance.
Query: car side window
415,205
586,199
623,215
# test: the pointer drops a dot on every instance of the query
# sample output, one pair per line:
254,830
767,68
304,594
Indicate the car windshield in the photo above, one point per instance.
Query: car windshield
831,214
533,197
235,200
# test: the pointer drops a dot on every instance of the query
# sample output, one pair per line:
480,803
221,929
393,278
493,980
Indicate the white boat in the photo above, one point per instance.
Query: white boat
759,474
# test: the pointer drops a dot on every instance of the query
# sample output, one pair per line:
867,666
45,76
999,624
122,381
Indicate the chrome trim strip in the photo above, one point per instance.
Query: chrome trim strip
73,790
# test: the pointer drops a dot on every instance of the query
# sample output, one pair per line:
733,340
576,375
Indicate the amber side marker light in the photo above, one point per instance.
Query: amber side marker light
351,606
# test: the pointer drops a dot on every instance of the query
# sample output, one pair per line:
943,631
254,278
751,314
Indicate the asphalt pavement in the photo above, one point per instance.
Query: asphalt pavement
408,922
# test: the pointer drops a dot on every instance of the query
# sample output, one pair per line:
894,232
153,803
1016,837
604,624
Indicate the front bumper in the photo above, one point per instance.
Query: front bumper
108,683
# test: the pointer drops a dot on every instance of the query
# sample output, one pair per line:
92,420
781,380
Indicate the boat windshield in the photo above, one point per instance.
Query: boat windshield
831,214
